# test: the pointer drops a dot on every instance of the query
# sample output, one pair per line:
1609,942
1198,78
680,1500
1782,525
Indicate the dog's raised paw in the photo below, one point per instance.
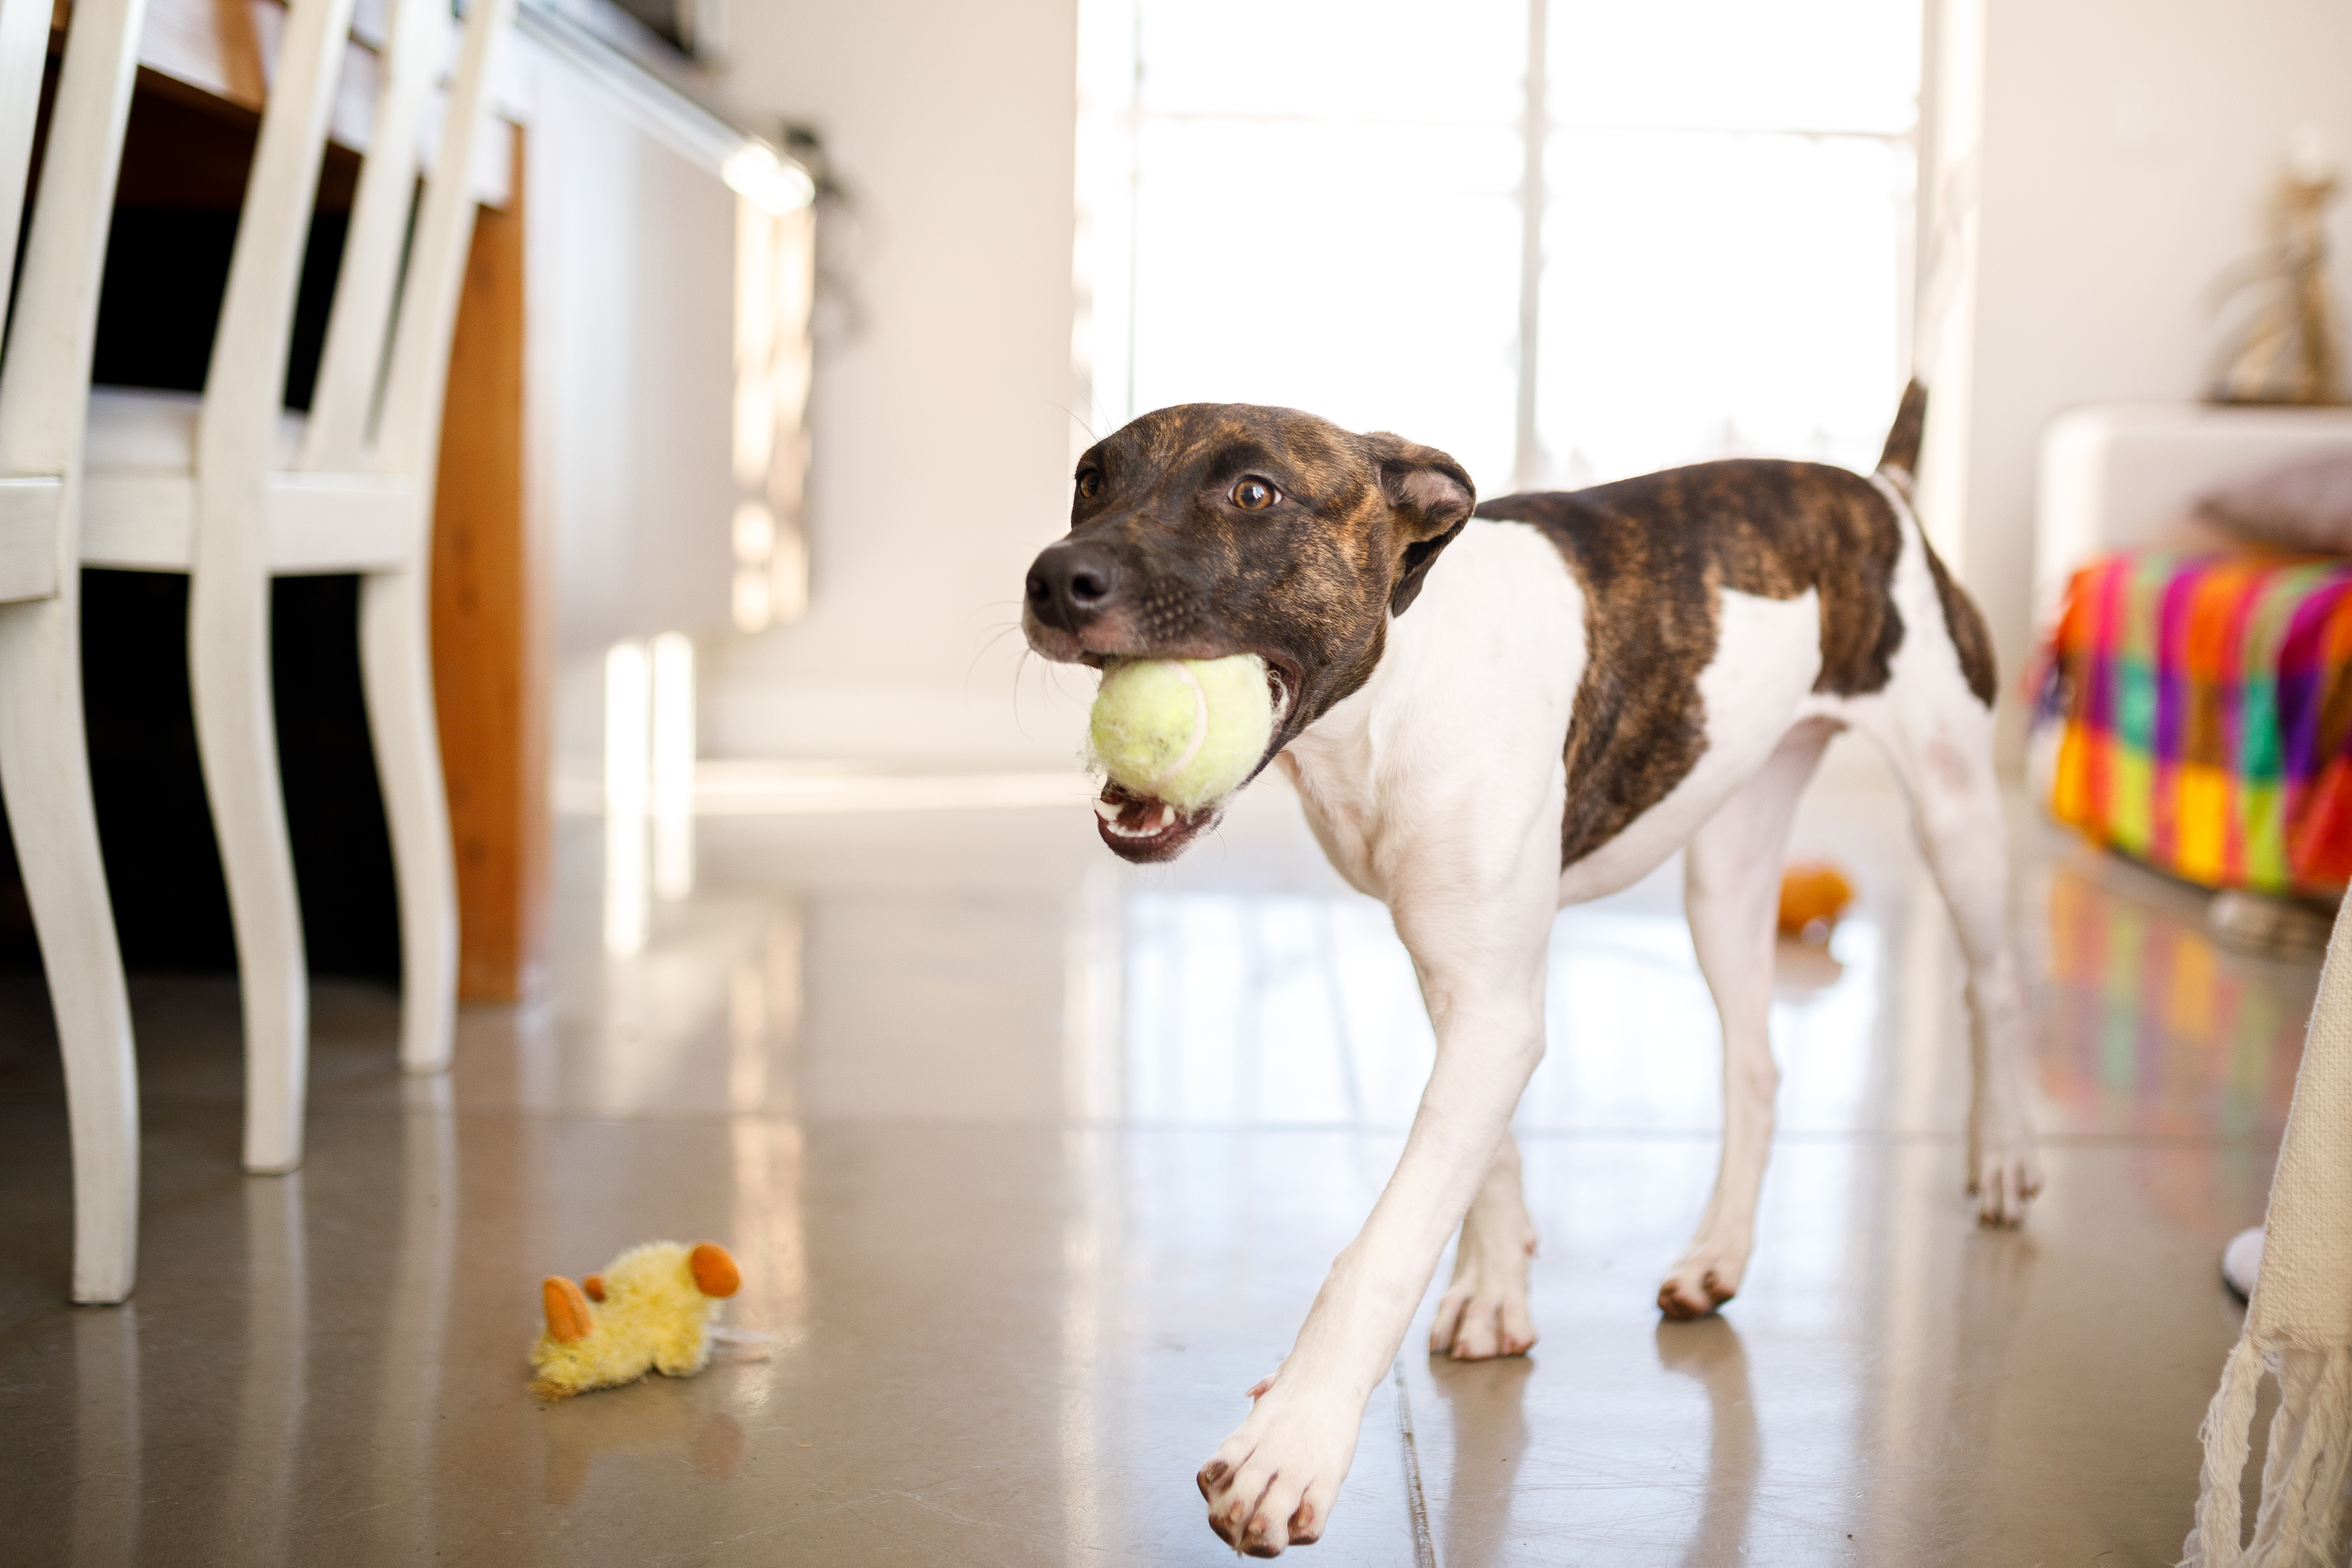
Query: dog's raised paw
1271,1485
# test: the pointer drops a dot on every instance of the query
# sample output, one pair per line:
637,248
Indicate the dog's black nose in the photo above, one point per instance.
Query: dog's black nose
1070,584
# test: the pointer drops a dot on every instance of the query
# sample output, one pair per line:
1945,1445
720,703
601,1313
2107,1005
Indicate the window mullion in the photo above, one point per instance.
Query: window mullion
1535,127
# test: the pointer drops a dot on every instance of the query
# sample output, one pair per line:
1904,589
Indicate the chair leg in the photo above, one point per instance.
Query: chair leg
237,738
396,661
44,770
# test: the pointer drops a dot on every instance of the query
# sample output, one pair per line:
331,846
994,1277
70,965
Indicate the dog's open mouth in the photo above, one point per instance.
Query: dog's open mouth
1139,829
1145,830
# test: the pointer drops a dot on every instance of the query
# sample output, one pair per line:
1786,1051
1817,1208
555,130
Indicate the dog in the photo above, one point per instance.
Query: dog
1490,712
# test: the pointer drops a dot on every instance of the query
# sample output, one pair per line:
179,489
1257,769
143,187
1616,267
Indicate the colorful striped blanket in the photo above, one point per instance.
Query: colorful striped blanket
2201,711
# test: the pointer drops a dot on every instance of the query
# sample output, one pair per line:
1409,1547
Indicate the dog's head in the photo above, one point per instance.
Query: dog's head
1211,528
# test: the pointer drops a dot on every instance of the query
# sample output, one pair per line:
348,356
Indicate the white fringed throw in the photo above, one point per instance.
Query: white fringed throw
2299,1325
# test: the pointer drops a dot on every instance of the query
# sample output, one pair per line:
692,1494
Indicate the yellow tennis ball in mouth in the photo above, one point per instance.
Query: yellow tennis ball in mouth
1185,731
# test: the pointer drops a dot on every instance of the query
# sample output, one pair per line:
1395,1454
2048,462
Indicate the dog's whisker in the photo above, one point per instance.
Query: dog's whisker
1092,435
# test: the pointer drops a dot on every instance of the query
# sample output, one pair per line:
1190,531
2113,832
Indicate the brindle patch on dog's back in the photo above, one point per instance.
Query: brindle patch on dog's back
1653,555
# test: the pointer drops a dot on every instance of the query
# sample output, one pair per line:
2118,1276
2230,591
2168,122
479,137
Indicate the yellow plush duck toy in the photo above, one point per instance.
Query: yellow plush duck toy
653,1308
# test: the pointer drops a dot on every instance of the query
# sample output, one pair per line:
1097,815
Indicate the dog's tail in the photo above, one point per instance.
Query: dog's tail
1900,460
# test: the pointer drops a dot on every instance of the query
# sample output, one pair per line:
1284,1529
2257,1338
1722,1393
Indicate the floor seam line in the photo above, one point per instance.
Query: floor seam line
1416,1504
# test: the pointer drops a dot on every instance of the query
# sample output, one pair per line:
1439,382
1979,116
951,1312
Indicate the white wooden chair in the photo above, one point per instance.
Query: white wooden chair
229,489
43,760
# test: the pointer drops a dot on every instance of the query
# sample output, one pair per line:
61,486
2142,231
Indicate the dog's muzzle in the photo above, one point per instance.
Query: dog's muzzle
1072,584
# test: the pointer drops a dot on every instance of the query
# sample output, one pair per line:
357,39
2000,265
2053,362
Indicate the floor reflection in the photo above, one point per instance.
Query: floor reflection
272,1405
1274,1009
933,1009
108,1445
411,1360
1246,1009
1997,1272
1710,1352
634,1428
768,1237
2152,1028
1485,1404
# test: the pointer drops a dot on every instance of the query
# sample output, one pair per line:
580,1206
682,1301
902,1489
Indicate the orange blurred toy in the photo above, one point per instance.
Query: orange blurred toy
1812,896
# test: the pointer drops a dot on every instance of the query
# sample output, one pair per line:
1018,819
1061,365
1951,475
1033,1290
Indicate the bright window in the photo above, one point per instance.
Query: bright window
1702,223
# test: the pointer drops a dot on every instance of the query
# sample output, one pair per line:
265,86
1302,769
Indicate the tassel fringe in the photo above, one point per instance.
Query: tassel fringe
2306,1476
2310,1465
2228,1435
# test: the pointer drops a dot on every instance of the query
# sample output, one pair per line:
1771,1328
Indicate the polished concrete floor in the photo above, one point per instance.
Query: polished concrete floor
1033,1162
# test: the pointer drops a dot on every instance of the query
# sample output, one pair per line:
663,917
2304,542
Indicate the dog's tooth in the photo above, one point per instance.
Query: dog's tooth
1167,816
1106,810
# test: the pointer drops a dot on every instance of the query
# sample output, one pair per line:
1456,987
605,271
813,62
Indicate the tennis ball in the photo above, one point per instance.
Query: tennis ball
1183,730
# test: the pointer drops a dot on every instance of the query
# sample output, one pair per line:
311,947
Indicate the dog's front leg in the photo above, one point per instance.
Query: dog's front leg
1479,949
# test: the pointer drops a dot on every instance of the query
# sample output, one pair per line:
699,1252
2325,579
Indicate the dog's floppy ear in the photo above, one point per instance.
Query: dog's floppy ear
1430,496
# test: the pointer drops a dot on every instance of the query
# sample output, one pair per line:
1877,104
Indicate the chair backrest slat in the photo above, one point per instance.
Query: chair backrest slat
409,432
24,48
244,384
45,383
350,371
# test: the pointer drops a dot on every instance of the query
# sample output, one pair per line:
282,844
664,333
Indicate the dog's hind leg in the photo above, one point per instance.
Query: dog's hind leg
1940,745
1731,892
1484,1313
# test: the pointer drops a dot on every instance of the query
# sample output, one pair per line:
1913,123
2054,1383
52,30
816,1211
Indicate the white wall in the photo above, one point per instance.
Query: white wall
631,255
941,440
2128,150
2118,158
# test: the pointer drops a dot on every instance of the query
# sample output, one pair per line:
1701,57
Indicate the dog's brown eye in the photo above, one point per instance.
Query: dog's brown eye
1089,483
1253,495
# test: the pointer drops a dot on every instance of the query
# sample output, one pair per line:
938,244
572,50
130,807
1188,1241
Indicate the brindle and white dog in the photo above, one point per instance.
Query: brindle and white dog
1588,682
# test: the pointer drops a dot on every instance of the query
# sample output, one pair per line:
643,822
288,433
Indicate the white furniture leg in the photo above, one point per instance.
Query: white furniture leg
45,769
237,738
44,762
395,658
